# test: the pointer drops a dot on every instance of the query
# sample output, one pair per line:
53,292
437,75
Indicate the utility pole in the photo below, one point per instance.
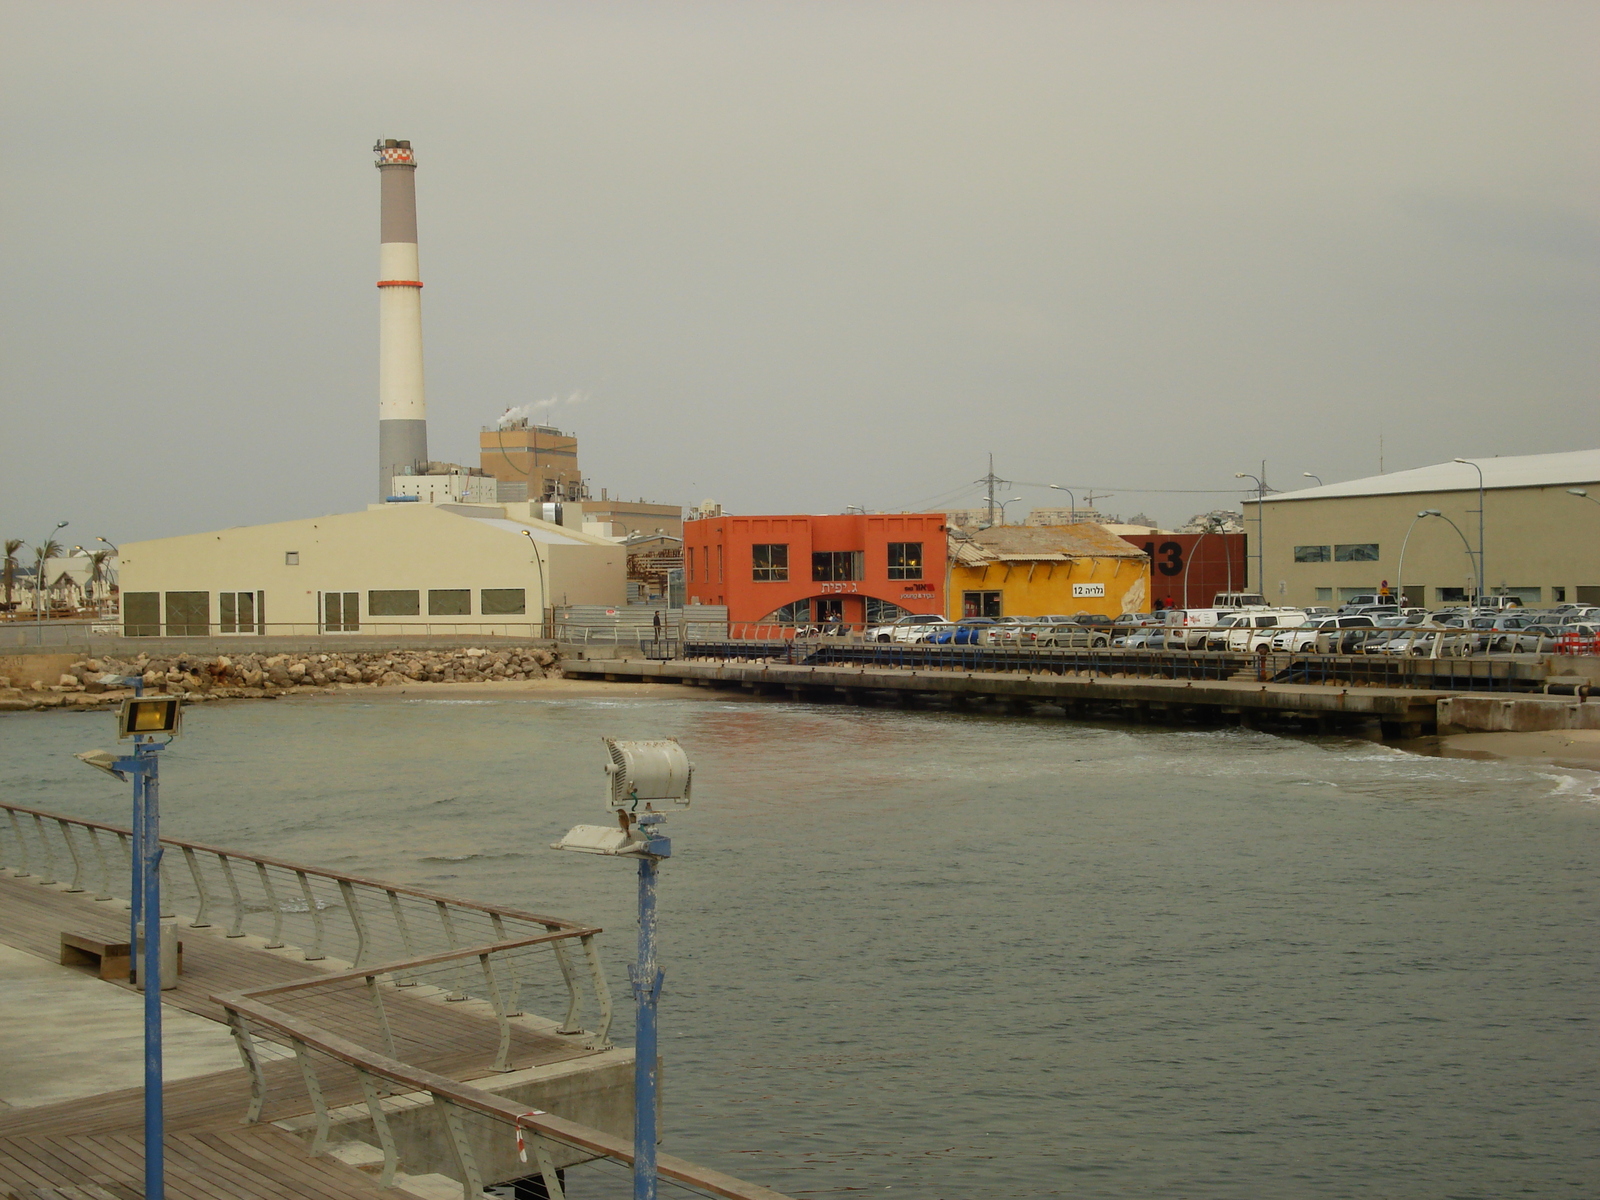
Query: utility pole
990,482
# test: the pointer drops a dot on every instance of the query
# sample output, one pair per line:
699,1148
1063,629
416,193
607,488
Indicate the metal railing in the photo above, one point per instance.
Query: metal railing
486,1133
398,947
324,914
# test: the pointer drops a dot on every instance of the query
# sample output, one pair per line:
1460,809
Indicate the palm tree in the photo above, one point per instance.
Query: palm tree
97,571
8,570
50,549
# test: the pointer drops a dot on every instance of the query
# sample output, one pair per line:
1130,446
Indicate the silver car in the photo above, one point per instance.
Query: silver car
1068,636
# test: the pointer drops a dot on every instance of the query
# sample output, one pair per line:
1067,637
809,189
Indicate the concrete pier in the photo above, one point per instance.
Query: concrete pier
1397,712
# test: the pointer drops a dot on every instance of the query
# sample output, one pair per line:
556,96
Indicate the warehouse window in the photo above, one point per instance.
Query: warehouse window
769,563
1356,552
1558,595
503,602
341,612
291,558
829,566
905,560
450,602
240,612
141,614
1325,595
188,614
1311,554
398,603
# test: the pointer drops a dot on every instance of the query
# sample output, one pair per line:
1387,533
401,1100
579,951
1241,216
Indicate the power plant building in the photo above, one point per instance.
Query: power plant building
531,461
391,569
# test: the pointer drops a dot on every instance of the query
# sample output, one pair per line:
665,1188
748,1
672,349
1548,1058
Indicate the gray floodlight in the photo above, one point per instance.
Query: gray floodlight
646,770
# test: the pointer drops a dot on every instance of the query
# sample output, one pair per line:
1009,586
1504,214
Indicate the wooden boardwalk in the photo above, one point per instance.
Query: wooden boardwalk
211,1155
238,1164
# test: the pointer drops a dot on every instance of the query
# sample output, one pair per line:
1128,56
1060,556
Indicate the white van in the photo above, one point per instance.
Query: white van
1237,600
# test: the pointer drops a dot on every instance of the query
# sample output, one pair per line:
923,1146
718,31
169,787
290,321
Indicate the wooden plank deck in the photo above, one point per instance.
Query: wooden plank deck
211,1155
258,1163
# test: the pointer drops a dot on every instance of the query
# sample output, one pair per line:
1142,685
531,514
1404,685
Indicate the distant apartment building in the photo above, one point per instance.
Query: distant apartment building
800,570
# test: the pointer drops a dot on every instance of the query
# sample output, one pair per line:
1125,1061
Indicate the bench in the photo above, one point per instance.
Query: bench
110,960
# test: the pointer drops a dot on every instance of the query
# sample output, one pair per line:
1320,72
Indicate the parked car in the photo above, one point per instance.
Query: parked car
969,631
1325,636
1153,638
912,628
1422,643
1069,636
1238,632
1007,631
1093,621
1128,622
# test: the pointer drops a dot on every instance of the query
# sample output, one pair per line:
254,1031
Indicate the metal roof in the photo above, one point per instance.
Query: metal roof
1041,543
1510,471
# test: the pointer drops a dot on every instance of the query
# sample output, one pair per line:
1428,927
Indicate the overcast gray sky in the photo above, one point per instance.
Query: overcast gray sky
793,256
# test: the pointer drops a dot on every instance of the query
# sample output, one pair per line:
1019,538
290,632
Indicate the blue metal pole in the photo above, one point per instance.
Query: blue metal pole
647,977
136,887
150,975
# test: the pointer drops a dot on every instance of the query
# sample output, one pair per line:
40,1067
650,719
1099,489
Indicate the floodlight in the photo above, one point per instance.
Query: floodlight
150,714
646,770
102,760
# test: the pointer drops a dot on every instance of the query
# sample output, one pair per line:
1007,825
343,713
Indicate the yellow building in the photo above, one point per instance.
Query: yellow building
1018,570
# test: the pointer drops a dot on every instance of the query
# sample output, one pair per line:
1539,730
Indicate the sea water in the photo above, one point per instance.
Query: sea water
959,955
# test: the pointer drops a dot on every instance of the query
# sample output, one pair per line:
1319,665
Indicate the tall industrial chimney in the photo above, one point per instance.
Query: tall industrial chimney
402,411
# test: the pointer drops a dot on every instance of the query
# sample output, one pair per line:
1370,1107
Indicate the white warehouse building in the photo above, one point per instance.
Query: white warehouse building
1420,529
395,568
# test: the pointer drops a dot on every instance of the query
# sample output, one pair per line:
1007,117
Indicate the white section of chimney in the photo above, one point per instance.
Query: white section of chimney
401,395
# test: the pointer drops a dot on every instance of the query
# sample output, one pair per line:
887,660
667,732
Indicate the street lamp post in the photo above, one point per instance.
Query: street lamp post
640,771
141,719
1400,569
38,580
1584,494
1001,505
543,591
1481,575
1261,537
1071,499
1309,475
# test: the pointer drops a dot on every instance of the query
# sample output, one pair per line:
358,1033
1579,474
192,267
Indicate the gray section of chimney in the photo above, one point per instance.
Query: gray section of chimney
399,207
402,450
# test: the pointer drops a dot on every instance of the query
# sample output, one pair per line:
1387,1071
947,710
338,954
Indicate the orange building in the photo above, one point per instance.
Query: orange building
800,570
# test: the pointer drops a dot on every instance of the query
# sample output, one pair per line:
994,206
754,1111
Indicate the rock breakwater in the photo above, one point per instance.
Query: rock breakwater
263,676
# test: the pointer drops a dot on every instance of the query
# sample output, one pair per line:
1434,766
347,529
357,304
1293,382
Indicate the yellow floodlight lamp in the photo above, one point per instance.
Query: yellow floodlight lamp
149,716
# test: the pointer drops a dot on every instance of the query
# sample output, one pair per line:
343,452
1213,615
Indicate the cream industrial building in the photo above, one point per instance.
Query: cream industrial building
395,568
1541,543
